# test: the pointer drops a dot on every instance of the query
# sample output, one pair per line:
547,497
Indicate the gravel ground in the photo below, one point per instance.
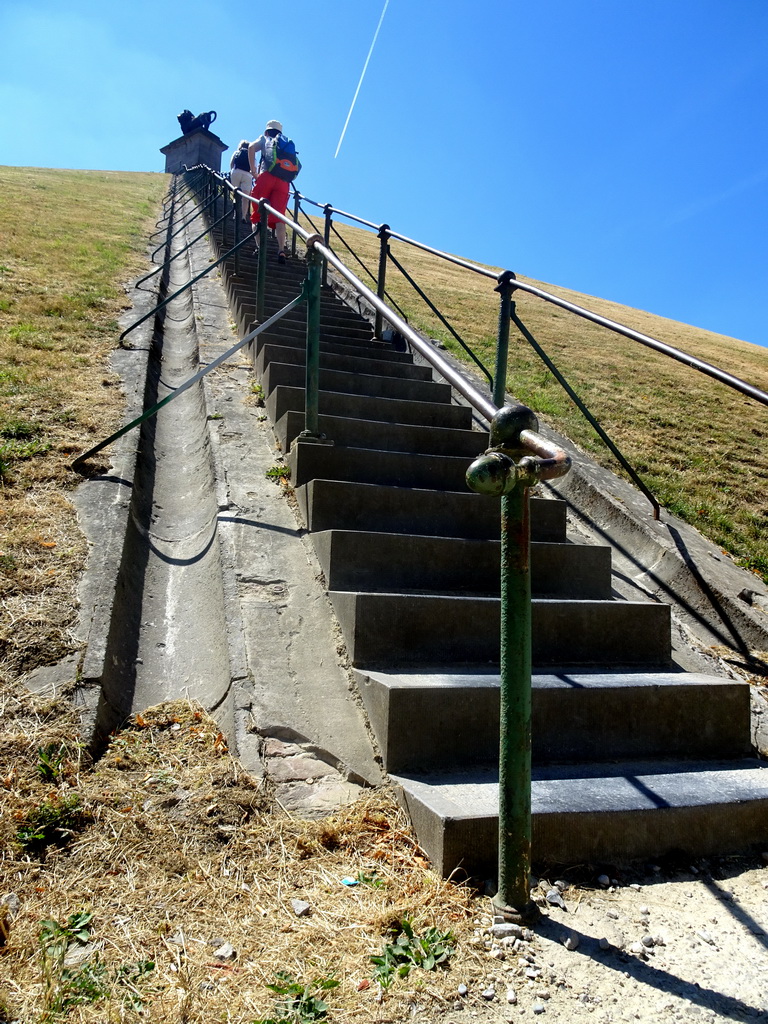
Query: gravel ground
659,946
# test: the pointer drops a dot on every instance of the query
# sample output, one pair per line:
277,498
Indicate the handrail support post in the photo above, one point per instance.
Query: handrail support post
514,431
236,223
515,706
505,289
312,379
261,273
296,208
328,213
381,280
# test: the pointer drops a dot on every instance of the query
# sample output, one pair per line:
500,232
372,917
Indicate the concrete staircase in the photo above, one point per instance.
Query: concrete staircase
633,757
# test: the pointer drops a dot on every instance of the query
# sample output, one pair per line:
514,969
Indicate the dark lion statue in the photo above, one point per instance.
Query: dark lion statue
189,122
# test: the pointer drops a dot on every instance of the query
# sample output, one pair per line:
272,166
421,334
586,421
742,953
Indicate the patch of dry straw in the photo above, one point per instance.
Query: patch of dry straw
178,850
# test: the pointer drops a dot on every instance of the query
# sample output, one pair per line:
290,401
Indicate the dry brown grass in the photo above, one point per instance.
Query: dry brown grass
699,446
69,242
175,849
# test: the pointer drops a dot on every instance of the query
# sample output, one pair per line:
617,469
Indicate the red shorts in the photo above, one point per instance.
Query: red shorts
275,191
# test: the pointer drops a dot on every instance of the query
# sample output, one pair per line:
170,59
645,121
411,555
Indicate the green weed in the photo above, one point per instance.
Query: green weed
89,982
67,986
428,951
23,449
17,429
128,978
301,1004
50,761
370,880
52,822
278,473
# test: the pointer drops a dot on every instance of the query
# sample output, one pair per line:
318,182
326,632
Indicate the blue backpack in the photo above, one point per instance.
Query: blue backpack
281,158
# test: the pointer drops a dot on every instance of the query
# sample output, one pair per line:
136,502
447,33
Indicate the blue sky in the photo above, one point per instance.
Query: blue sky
616,147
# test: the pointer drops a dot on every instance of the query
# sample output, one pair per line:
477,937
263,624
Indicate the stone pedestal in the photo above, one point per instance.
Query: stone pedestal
198,147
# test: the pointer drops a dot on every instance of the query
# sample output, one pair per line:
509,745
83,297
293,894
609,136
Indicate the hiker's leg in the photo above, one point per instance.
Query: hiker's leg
280,194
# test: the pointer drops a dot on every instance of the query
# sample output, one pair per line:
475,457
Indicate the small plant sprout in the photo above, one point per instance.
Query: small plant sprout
370,880
64,986
428,951
50,761
52,822
301,1004
278,473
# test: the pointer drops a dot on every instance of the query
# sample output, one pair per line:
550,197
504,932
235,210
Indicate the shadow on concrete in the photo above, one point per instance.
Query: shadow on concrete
726,632
261,526
646,974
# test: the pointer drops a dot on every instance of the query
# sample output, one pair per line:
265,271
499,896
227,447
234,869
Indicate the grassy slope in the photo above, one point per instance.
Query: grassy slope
69,240
699,446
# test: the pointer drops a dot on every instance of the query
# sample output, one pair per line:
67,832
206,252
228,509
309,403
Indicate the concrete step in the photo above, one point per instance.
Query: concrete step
594,813
346,383
394,562
392,437
295,328
371,349
369,465
399,631
370,363
576,716
386,410
344,348
335,504
331,312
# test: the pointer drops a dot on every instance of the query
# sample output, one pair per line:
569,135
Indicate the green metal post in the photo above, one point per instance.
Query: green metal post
312,383
327,210
261,273
296,203
495,473
381,282
504,288
515,704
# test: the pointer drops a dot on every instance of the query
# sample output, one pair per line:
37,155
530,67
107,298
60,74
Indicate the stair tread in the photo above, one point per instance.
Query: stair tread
441,679
635,785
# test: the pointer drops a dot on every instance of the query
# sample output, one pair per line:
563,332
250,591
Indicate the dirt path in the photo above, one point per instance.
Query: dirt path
690,947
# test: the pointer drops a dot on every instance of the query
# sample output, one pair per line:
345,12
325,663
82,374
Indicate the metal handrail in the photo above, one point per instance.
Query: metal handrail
189,284
373,276
422,294
340,213
645,339
476,399
595,424
77,462
173,196
170,259
513,284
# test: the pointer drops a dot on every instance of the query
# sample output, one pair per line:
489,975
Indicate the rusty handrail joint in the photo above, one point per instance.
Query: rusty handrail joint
514,435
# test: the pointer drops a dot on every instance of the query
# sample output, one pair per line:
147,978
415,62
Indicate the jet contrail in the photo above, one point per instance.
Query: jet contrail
362,76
